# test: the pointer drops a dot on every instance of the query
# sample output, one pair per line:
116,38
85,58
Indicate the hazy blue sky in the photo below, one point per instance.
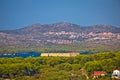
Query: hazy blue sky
15,14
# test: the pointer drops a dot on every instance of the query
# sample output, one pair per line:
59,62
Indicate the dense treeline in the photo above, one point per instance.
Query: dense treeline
59,68
63,48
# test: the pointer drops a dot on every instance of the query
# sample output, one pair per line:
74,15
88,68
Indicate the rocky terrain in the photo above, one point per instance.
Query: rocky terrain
37,35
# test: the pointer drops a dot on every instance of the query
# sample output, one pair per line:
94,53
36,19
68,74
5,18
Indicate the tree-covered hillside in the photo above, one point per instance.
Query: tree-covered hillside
92,46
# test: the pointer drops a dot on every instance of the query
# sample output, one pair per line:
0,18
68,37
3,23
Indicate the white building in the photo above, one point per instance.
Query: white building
116,74
60,54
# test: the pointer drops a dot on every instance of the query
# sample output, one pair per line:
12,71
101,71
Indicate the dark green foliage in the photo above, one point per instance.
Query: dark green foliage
59,68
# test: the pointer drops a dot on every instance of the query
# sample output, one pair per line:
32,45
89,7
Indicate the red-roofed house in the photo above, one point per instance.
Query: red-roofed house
99,73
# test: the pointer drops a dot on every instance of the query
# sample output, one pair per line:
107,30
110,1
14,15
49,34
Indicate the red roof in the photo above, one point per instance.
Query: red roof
98,73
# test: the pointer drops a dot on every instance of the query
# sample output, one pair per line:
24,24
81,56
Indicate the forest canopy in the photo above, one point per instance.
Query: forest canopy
59,68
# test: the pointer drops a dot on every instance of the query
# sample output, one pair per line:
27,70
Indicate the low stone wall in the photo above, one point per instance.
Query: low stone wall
60,54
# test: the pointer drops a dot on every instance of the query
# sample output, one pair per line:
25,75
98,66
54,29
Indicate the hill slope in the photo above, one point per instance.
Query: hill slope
61,33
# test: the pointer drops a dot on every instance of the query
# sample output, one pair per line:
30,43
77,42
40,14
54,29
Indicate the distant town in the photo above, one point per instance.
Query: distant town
42,36
75,37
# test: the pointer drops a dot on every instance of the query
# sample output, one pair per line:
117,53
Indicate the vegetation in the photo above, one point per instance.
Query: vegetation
59,68
94,47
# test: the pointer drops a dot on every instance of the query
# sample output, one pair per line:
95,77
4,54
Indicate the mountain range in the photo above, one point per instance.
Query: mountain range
63,26
61,33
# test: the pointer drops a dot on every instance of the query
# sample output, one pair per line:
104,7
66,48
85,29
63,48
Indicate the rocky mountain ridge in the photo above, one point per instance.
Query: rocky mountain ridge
65,26
57,33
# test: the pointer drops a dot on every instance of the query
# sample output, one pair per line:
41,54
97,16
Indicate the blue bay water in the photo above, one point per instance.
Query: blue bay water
21,54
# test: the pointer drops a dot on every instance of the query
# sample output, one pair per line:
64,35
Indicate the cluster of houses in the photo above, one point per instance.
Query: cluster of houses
59,41
71,36
115,74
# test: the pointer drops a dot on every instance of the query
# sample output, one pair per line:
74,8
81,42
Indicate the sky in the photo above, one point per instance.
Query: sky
15,14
